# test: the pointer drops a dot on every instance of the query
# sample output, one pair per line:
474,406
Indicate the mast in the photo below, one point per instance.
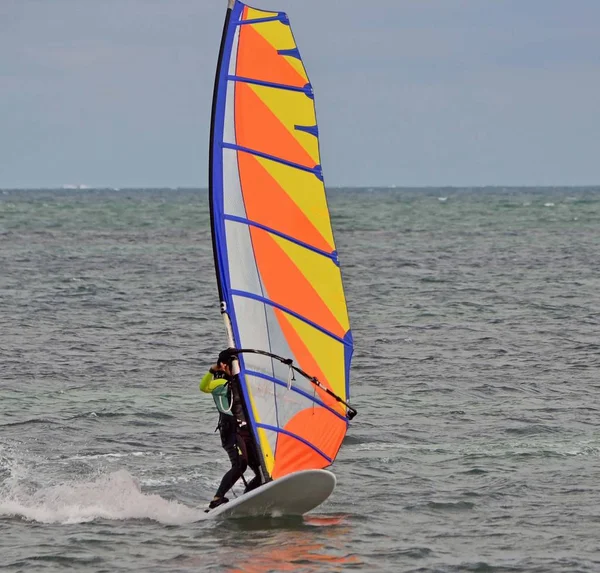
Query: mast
211,151
216,155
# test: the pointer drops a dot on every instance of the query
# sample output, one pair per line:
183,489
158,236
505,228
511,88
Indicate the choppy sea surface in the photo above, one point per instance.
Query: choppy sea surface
476,317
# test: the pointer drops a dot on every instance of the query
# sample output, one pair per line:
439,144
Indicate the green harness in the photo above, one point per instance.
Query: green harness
222,397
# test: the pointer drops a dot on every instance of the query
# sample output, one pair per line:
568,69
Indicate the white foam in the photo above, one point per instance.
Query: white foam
115,456
113,496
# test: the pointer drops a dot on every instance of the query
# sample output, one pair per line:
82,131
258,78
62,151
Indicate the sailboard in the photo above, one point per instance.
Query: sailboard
278,271
294,494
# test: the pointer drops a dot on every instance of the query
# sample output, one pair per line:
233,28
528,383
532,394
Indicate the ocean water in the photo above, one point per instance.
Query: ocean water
476,375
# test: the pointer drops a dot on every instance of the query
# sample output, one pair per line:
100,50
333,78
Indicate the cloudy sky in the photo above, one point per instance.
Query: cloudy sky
408,92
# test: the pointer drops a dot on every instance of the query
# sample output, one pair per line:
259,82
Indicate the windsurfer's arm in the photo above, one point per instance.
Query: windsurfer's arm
209,382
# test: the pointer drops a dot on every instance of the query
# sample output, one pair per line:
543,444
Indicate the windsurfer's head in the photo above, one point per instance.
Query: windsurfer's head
225,357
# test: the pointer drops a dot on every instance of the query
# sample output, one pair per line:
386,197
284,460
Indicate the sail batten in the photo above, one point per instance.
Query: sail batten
295,437
277,266
278,18
316,170
307,89
330,255
289,311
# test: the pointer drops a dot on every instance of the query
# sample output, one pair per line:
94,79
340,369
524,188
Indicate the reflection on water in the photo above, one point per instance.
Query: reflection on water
314,543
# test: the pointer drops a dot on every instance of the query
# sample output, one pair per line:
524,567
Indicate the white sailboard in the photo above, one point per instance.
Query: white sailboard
293,494
278,272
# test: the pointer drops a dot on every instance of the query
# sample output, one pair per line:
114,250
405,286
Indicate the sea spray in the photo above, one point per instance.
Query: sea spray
115,496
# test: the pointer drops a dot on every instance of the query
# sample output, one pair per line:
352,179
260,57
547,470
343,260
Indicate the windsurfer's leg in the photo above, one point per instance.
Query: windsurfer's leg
238,466
252,463
226,484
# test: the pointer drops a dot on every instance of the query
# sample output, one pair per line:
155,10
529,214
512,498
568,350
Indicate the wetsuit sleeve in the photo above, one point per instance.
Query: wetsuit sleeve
209,383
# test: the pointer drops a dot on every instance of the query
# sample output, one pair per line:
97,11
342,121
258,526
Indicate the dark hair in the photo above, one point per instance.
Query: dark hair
226,357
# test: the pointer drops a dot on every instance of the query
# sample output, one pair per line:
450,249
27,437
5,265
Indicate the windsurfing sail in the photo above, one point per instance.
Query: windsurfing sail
277,266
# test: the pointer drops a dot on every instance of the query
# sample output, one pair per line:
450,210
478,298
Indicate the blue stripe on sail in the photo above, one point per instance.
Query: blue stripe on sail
332,255
264,300
310,93
292,53
296,437
306,89
297,390
312,129
316,170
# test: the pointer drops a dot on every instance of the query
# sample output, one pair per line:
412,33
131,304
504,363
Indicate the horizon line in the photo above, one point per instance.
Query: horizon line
327,187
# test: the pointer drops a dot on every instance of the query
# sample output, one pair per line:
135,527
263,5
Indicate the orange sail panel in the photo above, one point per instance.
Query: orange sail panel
277,266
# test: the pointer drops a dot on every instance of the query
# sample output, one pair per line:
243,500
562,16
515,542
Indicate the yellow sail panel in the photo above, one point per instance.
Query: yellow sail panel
306,191
259,129
325,278
292,109
297,65
259,59
278,34
289,282
254,14
318,352
286,200
281,38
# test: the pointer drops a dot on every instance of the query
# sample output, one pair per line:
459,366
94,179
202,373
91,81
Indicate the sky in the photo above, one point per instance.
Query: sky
118,93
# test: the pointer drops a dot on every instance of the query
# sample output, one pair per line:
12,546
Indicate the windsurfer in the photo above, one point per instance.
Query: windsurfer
236,437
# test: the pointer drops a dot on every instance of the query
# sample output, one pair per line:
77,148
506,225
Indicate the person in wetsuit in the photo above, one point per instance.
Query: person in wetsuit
236,438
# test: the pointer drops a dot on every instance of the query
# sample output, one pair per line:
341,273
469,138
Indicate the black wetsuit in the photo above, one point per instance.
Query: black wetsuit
237,441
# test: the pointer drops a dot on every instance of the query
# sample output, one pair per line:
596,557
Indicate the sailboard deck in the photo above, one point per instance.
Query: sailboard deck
294,494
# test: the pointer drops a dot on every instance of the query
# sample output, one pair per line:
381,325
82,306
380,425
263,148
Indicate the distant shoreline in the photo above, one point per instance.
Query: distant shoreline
83,189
